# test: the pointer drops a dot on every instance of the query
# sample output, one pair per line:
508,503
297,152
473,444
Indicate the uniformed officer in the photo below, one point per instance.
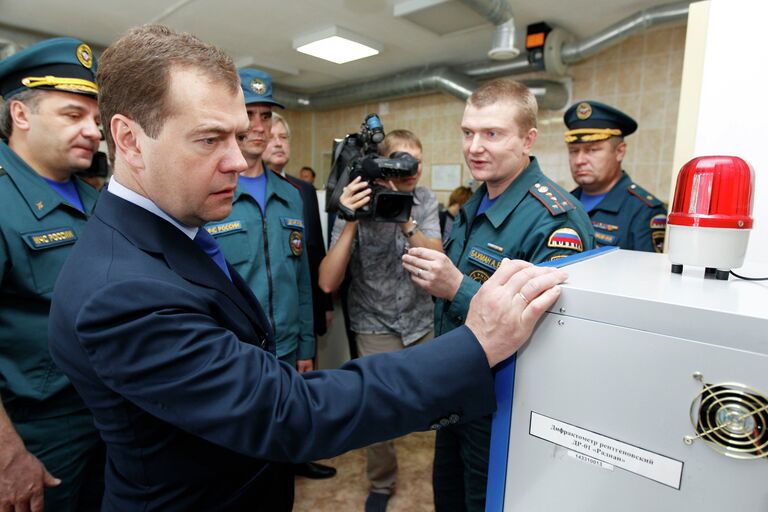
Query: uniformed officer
277,155
623,213
516,213
50,130
263,238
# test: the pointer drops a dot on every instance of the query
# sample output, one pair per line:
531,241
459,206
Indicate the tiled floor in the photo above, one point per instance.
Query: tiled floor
346,492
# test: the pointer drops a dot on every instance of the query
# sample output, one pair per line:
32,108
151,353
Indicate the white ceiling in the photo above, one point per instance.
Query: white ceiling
259,33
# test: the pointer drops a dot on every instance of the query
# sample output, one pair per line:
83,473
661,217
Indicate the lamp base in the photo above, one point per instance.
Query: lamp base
721,249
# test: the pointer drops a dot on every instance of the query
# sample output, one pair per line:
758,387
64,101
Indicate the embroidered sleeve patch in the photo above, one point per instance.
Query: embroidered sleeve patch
289,223
659,221
658,240
220,228
296,243
53,238
565,238
480,276
484,259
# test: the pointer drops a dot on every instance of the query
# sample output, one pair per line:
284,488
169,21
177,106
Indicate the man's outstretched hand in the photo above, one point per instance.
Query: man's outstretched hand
505,310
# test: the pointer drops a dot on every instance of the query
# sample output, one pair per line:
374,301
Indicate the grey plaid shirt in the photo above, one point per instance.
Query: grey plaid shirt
382,297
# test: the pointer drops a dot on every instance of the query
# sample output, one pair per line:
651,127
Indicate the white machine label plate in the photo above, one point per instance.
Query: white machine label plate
611,451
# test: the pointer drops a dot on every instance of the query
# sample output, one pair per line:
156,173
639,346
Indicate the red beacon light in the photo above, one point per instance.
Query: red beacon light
711,215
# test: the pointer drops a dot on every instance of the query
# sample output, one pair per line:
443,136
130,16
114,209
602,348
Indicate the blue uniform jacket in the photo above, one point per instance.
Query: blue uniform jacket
37,230
629,217
170,357
269,252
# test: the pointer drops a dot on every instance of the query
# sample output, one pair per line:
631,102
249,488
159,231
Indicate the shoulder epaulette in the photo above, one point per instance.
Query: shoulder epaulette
551,198
646,197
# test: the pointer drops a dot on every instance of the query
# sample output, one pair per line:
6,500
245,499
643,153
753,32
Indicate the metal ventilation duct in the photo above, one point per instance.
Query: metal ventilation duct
460,82
549,94
410,83
498,12
618,32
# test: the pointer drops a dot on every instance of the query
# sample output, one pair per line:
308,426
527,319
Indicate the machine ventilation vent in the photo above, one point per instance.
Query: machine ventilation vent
732,419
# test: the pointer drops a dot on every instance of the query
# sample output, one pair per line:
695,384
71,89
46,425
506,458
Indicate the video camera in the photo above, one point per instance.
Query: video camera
357,155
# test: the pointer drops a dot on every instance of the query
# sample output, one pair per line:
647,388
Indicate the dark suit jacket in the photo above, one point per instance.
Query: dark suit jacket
313,232
170,357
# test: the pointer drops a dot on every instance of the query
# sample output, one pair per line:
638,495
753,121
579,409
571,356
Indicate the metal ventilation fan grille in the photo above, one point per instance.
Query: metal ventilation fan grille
732,419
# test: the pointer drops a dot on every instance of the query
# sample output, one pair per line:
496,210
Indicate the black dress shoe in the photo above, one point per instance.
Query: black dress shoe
313,470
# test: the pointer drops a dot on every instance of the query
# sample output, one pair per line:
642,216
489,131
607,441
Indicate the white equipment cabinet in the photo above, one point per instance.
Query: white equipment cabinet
641,390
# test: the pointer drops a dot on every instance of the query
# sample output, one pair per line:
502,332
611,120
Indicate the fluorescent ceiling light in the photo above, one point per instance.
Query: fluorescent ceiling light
337,45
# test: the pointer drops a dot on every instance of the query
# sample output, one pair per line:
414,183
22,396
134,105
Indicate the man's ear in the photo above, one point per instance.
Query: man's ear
528,140
19,115
126,134
621,151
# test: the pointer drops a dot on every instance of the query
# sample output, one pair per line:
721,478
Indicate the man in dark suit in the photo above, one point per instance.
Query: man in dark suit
169,348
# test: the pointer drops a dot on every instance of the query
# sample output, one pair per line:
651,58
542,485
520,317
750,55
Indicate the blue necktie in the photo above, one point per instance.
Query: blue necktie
212,249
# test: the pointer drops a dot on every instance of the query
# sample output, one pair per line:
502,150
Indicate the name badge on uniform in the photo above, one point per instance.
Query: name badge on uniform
604,238
484,259
223,228
50,238
290,223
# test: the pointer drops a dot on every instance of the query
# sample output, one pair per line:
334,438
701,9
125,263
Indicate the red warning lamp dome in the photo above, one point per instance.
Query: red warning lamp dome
714,192
711,214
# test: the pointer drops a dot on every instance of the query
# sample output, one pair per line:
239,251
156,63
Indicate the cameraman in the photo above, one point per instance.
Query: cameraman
387,310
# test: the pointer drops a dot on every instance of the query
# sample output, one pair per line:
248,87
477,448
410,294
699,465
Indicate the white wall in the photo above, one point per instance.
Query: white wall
730,83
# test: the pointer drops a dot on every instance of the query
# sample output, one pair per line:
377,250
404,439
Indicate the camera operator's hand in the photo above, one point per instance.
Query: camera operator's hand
356,194
433,271
505,310
333,268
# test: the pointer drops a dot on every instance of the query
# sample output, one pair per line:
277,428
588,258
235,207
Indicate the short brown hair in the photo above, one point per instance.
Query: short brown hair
395,137
504,89
135,72
459,196
30,97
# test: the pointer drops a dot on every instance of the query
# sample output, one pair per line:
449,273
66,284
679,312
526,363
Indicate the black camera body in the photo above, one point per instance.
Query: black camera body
357,155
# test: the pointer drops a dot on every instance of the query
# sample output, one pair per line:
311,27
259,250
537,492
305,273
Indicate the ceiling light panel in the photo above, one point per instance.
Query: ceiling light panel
336,44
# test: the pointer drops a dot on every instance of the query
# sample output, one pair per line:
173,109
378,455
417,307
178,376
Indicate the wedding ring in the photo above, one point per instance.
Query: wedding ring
418,274
523,297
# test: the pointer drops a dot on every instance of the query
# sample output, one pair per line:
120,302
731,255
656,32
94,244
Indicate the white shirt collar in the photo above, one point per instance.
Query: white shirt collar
139,200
